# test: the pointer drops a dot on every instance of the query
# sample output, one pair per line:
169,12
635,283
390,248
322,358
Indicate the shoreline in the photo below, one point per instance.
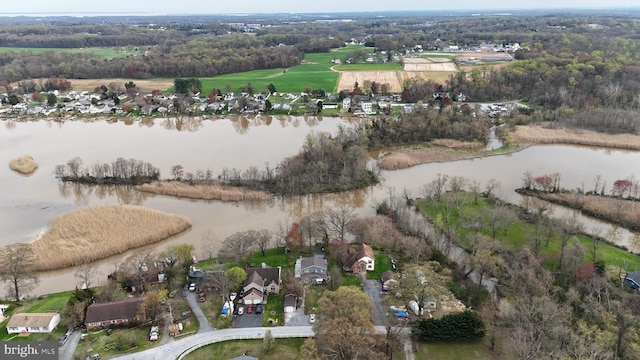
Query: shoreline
523,137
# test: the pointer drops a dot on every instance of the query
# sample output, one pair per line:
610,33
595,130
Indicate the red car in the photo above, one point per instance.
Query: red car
249,309
202,297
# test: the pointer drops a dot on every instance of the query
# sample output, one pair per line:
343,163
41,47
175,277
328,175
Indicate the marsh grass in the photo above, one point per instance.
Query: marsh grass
98,232
24,165
541,134
216,191
411,157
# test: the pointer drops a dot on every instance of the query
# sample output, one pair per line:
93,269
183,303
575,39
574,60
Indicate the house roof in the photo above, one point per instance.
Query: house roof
253,292
115,310
290,300
245,357
634,276
313,261
363,250
31,320
253,278
387,275
268,274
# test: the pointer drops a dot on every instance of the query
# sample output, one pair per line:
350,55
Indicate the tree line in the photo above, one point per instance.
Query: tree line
119,172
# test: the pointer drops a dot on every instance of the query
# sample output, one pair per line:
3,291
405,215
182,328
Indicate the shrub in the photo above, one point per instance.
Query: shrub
464,326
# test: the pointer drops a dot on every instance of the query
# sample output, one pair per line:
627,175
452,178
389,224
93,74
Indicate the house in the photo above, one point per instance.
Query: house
359,261
245,357
311,270
290,306
633,280
367,107
33,322
388,280
290,303
115,313
260,283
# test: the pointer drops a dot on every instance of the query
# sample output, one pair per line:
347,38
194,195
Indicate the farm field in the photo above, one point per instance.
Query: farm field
107,53
145,86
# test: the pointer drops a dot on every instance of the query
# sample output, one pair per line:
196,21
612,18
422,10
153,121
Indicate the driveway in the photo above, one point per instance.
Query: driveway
372,288
197,312
247,320
297,319
65,352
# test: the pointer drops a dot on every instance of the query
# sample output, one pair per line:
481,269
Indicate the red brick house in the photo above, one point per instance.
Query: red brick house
360,260
121,313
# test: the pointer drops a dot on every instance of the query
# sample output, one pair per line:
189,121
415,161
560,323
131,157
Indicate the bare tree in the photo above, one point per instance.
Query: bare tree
208,243
239,245
339,219
567,228
17,267
264,238
85,272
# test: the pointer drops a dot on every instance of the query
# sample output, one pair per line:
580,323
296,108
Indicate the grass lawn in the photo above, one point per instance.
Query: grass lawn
382,264
274,310
121,341
282,349
455,351
51,302
274,258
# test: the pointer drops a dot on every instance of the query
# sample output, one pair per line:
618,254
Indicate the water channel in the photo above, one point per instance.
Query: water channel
29,203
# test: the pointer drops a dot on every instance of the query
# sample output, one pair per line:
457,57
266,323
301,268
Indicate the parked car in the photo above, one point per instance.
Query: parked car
233,296
258,309
249,309
240,310
63,340
202,299
192,287
312,318
153,334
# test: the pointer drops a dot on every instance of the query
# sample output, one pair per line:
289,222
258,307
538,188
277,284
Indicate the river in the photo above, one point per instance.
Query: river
29,203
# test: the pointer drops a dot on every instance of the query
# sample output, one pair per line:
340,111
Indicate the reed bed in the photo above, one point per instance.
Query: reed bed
457,144
215,191
411,157
98,232
616,210
24,165
541,134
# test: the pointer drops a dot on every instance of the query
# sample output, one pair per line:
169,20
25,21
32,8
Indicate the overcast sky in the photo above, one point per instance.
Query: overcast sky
291,6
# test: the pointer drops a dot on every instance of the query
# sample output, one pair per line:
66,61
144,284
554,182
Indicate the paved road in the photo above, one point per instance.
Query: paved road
179,348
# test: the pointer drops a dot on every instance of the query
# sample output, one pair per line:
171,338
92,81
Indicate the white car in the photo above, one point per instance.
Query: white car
233,296
192,287
312,318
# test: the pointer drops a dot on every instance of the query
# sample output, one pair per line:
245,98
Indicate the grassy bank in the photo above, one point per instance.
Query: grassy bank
216,191
405,158
517,234
98,232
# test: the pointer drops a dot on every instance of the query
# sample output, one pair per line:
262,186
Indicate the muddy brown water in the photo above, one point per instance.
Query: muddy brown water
29,203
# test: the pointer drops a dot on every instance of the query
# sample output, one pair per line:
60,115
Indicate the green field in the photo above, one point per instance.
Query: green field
455,351
315,72
107,53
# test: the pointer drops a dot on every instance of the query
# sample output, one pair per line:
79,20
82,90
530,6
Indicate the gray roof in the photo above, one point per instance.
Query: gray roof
313,261
635,276
245,357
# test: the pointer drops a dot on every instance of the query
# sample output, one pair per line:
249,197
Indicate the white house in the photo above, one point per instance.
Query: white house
33,322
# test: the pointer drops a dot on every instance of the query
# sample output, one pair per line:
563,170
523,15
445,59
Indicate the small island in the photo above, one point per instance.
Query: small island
25,165
97,232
